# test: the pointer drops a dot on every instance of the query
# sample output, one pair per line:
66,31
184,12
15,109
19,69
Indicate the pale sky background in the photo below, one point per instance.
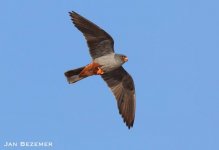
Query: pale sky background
173,50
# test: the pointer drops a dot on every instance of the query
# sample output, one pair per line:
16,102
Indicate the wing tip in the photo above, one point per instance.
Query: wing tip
129,125
72,12
73,15
76,18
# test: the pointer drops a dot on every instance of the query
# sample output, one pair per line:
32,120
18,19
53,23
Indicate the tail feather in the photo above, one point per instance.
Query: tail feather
73,75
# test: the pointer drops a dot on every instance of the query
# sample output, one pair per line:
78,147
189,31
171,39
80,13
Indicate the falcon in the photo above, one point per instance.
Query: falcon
107,64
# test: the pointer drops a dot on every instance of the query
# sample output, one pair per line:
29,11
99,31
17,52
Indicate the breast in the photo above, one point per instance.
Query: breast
108,62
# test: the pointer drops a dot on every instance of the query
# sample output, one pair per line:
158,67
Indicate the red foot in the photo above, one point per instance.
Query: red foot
99,71
91,69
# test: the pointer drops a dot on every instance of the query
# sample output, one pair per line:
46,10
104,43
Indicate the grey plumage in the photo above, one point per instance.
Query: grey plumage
101,47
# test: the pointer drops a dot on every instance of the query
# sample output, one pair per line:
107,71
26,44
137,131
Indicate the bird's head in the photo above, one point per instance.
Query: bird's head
122,58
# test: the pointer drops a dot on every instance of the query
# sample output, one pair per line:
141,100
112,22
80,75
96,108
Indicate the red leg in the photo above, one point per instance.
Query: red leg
91,69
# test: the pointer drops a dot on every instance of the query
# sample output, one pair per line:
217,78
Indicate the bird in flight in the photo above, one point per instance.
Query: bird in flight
107,64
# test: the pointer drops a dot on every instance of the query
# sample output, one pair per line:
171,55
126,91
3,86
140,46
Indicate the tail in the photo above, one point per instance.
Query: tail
73,75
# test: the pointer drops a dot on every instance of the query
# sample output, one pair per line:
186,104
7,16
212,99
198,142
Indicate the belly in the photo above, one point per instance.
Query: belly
107,62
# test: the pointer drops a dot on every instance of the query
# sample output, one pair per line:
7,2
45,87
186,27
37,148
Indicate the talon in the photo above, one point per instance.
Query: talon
99,71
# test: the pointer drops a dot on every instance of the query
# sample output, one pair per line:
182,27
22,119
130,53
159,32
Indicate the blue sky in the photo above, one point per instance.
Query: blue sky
173,50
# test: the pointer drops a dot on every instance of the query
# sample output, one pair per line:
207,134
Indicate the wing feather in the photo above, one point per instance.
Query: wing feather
100,43
122,86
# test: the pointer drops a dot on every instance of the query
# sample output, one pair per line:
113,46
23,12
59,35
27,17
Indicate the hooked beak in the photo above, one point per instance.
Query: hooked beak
125,59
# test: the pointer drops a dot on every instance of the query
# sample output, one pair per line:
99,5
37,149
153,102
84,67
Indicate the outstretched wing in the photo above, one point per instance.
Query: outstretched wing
122,86
99,42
